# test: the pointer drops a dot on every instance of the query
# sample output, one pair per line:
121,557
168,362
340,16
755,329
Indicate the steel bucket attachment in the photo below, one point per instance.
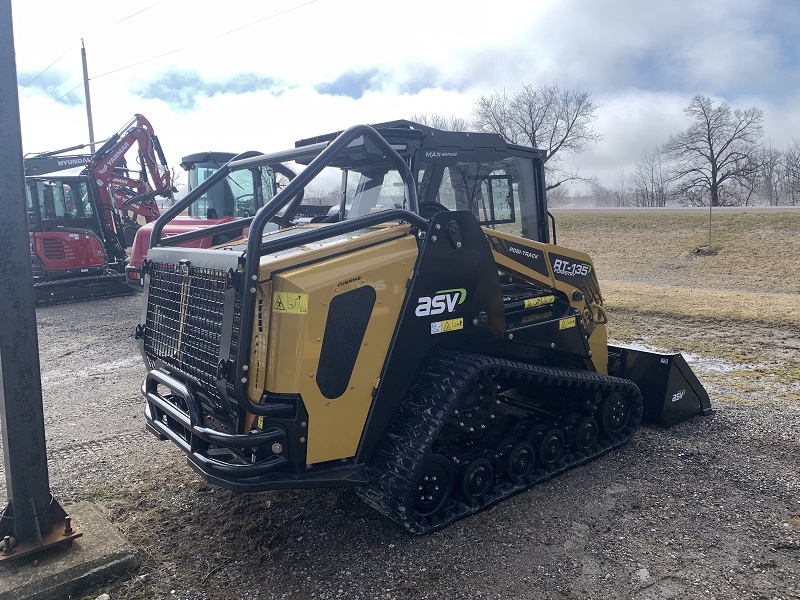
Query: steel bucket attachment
670,390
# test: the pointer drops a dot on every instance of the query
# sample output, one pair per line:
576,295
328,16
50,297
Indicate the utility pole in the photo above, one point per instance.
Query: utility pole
86,95
32,519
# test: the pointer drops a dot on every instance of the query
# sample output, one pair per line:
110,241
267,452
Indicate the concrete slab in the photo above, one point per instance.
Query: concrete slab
100,554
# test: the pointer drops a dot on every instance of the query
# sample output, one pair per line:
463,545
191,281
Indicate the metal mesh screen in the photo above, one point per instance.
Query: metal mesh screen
185,308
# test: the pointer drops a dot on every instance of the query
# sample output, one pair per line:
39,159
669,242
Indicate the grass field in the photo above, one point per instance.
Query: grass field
654,262
737,309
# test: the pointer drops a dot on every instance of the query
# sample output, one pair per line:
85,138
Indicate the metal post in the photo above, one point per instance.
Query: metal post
29,519
86,95
710,247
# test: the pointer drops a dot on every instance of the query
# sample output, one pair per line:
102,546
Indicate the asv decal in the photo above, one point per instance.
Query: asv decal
444,300
564,267
679,396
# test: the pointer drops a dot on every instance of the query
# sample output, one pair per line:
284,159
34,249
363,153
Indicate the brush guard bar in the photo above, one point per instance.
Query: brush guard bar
166,419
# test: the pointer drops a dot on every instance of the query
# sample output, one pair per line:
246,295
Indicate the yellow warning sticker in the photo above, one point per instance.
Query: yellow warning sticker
447,326
534,302
290,303
566,323
261,422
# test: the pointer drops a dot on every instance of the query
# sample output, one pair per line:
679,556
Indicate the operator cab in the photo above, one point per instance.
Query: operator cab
239,195
59,203
477,172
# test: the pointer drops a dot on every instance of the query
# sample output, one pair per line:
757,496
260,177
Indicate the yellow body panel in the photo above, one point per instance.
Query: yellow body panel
298,311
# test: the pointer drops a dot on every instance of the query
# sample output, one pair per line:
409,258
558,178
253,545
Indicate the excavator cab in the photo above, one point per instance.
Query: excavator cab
64,228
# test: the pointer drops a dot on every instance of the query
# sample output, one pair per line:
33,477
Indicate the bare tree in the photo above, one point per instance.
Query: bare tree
715,151
650,179
558,196
437,121
620,190
602,195
770,170
558,121
791,173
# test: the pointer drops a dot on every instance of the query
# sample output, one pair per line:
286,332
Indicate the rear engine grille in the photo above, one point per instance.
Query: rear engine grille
183,327
56,250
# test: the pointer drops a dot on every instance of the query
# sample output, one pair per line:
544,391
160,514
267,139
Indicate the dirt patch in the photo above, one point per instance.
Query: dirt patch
707,509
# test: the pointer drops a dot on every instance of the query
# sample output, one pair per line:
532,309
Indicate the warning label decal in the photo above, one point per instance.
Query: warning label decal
540,301
290,303
566,323
447,326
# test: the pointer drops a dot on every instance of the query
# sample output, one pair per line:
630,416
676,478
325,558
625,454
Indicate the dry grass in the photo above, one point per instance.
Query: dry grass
756,252
649,263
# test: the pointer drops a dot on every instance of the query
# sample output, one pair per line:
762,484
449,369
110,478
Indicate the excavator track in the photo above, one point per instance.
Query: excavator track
475,429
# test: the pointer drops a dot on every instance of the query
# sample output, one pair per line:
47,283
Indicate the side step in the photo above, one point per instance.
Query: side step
670,390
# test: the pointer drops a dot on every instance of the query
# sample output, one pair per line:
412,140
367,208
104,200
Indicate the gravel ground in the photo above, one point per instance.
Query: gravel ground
707,509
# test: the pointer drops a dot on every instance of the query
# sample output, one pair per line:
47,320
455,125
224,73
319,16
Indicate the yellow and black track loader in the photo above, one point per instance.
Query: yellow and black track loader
426,343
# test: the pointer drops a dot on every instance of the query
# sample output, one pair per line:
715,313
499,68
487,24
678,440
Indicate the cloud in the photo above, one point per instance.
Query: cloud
411,78
181,89
352,84
56,85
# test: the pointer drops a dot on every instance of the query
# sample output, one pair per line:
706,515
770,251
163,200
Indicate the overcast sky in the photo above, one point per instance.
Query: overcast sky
257,75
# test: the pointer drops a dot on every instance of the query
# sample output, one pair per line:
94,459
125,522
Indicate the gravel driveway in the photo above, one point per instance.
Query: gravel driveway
707,509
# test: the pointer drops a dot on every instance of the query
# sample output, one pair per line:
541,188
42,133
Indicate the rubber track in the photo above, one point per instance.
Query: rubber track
433,395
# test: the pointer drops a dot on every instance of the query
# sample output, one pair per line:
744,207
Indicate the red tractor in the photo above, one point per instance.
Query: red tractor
80,225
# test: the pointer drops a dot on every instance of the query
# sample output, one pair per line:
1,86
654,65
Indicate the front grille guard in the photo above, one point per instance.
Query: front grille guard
178,415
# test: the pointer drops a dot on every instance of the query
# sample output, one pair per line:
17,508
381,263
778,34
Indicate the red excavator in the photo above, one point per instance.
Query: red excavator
80,225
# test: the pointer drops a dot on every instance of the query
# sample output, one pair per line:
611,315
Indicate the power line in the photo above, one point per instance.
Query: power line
138,12
147,60
47,68
141,62
50,65
288,10
67,94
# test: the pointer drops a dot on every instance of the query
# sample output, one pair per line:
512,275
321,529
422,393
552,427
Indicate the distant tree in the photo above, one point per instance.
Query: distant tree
715,151
559,121
437,121
791,173
650,185
602,195
745,190
770,169
175,176
620,191
322,196
558,196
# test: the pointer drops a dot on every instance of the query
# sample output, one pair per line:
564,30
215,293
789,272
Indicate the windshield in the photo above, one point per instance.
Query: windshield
499,193
59,199
235,196
372,191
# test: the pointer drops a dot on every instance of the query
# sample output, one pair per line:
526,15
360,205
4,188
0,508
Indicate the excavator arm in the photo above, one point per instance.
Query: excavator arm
116,187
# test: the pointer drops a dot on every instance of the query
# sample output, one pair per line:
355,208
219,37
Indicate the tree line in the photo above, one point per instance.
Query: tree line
720,159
